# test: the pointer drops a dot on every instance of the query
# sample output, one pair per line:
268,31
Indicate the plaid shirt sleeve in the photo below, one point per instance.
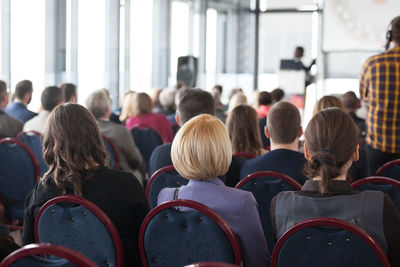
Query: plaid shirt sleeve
364,80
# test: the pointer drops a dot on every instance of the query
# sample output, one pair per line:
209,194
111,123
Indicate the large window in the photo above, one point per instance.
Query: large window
28,45
91,46
141,44
179,35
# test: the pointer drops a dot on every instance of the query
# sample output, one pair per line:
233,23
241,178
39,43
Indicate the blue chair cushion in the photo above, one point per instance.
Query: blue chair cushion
79,229
328,247
392,172
388,189
111,153
17,175
178,238
15,211
146,140
165,179
264,189
34,142
37,261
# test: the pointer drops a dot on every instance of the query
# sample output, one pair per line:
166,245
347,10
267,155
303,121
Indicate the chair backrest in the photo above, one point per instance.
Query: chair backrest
19,172
112,152
162,178
26,256
212,264
172,237
146,139
390,169
265,185
81,226
388,186
33,140
265,140
327,242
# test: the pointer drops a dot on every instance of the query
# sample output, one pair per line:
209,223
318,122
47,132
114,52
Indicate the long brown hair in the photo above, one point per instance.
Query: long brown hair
242,124
330,138
72,145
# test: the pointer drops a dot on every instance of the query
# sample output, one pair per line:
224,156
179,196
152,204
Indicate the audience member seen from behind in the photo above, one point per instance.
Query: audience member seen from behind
69,92
192,103
201,151
351,104
277,95
237,99
9,126
167,101
264,104
331,145
137,110
130,158
284,130
328,101
23,95
51,97
244,132
219,108
74,151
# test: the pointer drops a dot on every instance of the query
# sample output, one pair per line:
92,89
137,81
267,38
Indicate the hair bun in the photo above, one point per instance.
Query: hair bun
326,157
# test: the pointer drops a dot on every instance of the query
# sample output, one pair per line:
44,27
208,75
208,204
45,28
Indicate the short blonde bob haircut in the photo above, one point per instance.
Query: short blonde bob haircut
201,149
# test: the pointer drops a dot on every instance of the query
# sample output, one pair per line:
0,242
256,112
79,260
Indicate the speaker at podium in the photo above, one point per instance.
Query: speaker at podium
187,70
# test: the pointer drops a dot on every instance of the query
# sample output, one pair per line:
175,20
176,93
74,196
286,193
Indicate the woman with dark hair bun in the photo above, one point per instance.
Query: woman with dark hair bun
74,151
331,145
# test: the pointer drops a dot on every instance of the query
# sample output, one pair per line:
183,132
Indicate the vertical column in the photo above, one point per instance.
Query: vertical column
203,43
5,40
72,42
256,43
112,49
161,42
127,47
55,41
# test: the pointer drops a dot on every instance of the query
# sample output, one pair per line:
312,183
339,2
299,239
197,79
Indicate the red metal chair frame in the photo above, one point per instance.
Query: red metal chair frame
330,222
271,174
212,264
119,252
114,150
154,176
197,206
375,179
50,249
244,155
387,165
28,150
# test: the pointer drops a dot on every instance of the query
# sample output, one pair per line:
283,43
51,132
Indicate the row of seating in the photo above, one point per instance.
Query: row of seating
199,234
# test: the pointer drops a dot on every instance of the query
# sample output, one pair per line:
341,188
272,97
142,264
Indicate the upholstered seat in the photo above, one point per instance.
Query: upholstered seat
177,237
388,186
327,242
33,140
19,172
390,170
112,152
77,223
65,257
146,139
265,185
164,177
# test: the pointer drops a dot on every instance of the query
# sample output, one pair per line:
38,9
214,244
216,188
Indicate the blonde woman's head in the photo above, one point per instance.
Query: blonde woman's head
135,104
201,149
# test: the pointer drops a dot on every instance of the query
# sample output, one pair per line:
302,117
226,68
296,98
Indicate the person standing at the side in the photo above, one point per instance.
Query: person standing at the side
380,88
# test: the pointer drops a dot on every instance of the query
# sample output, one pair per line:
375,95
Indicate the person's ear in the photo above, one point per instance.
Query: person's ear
266,132
177,120
300,132
356,154
306,153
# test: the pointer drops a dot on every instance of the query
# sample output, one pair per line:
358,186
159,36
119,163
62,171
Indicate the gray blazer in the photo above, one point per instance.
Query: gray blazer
9,126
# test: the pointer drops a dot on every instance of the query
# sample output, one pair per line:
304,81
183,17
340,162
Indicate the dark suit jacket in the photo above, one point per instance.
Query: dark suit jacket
9,126
284,161
20,112
161,157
